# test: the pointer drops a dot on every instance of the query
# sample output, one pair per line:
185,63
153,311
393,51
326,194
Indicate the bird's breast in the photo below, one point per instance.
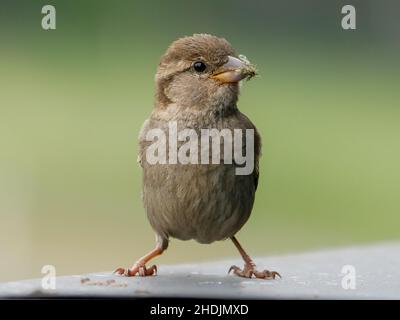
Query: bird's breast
202,202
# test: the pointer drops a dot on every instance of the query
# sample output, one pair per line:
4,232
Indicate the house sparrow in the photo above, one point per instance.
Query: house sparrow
197,86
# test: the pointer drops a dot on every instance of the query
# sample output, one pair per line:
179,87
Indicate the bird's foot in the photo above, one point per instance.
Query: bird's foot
137,268
250,270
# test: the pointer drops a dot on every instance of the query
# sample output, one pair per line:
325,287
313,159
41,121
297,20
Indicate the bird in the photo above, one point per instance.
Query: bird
197,87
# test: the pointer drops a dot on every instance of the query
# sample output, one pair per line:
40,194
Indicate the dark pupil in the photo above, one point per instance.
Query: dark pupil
199,66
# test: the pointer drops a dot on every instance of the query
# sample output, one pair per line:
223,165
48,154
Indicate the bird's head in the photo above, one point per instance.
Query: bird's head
200,71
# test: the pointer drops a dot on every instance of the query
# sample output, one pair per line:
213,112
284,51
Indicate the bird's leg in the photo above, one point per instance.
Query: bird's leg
249,266
139,267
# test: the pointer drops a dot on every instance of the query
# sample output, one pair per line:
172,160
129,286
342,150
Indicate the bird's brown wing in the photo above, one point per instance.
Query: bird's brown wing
247,124
256,175
142,142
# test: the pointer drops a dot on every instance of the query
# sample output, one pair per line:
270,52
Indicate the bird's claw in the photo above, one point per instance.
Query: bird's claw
121,271
144,272
248,272
141,270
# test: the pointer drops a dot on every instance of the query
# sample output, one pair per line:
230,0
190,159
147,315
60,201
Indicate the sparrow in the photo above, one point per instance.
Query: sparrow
197,86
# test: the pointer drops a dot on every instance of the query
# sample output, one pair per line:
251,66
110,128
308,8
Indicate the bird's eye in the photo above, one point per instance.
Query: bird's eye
199,66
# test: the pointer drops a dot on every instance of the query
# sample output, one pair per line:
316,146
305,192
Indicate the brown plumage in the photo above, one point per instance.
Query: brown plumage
205,202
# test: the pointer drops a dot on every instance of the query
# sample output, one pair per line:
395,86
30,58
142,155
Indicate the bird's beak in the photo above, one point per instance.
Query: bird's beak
234,70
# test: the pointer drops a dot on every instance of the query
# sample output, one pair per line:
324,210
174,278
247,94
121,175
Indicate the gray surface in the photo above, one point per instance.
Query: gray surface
314,275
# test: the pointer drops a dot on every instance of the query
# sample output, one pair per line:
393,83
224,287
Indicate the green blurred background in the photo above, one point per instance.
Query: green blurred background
72,101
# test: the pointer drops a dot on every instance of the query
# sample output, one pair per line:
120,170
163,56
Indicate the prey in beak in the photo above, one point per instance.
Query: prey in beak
234,70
